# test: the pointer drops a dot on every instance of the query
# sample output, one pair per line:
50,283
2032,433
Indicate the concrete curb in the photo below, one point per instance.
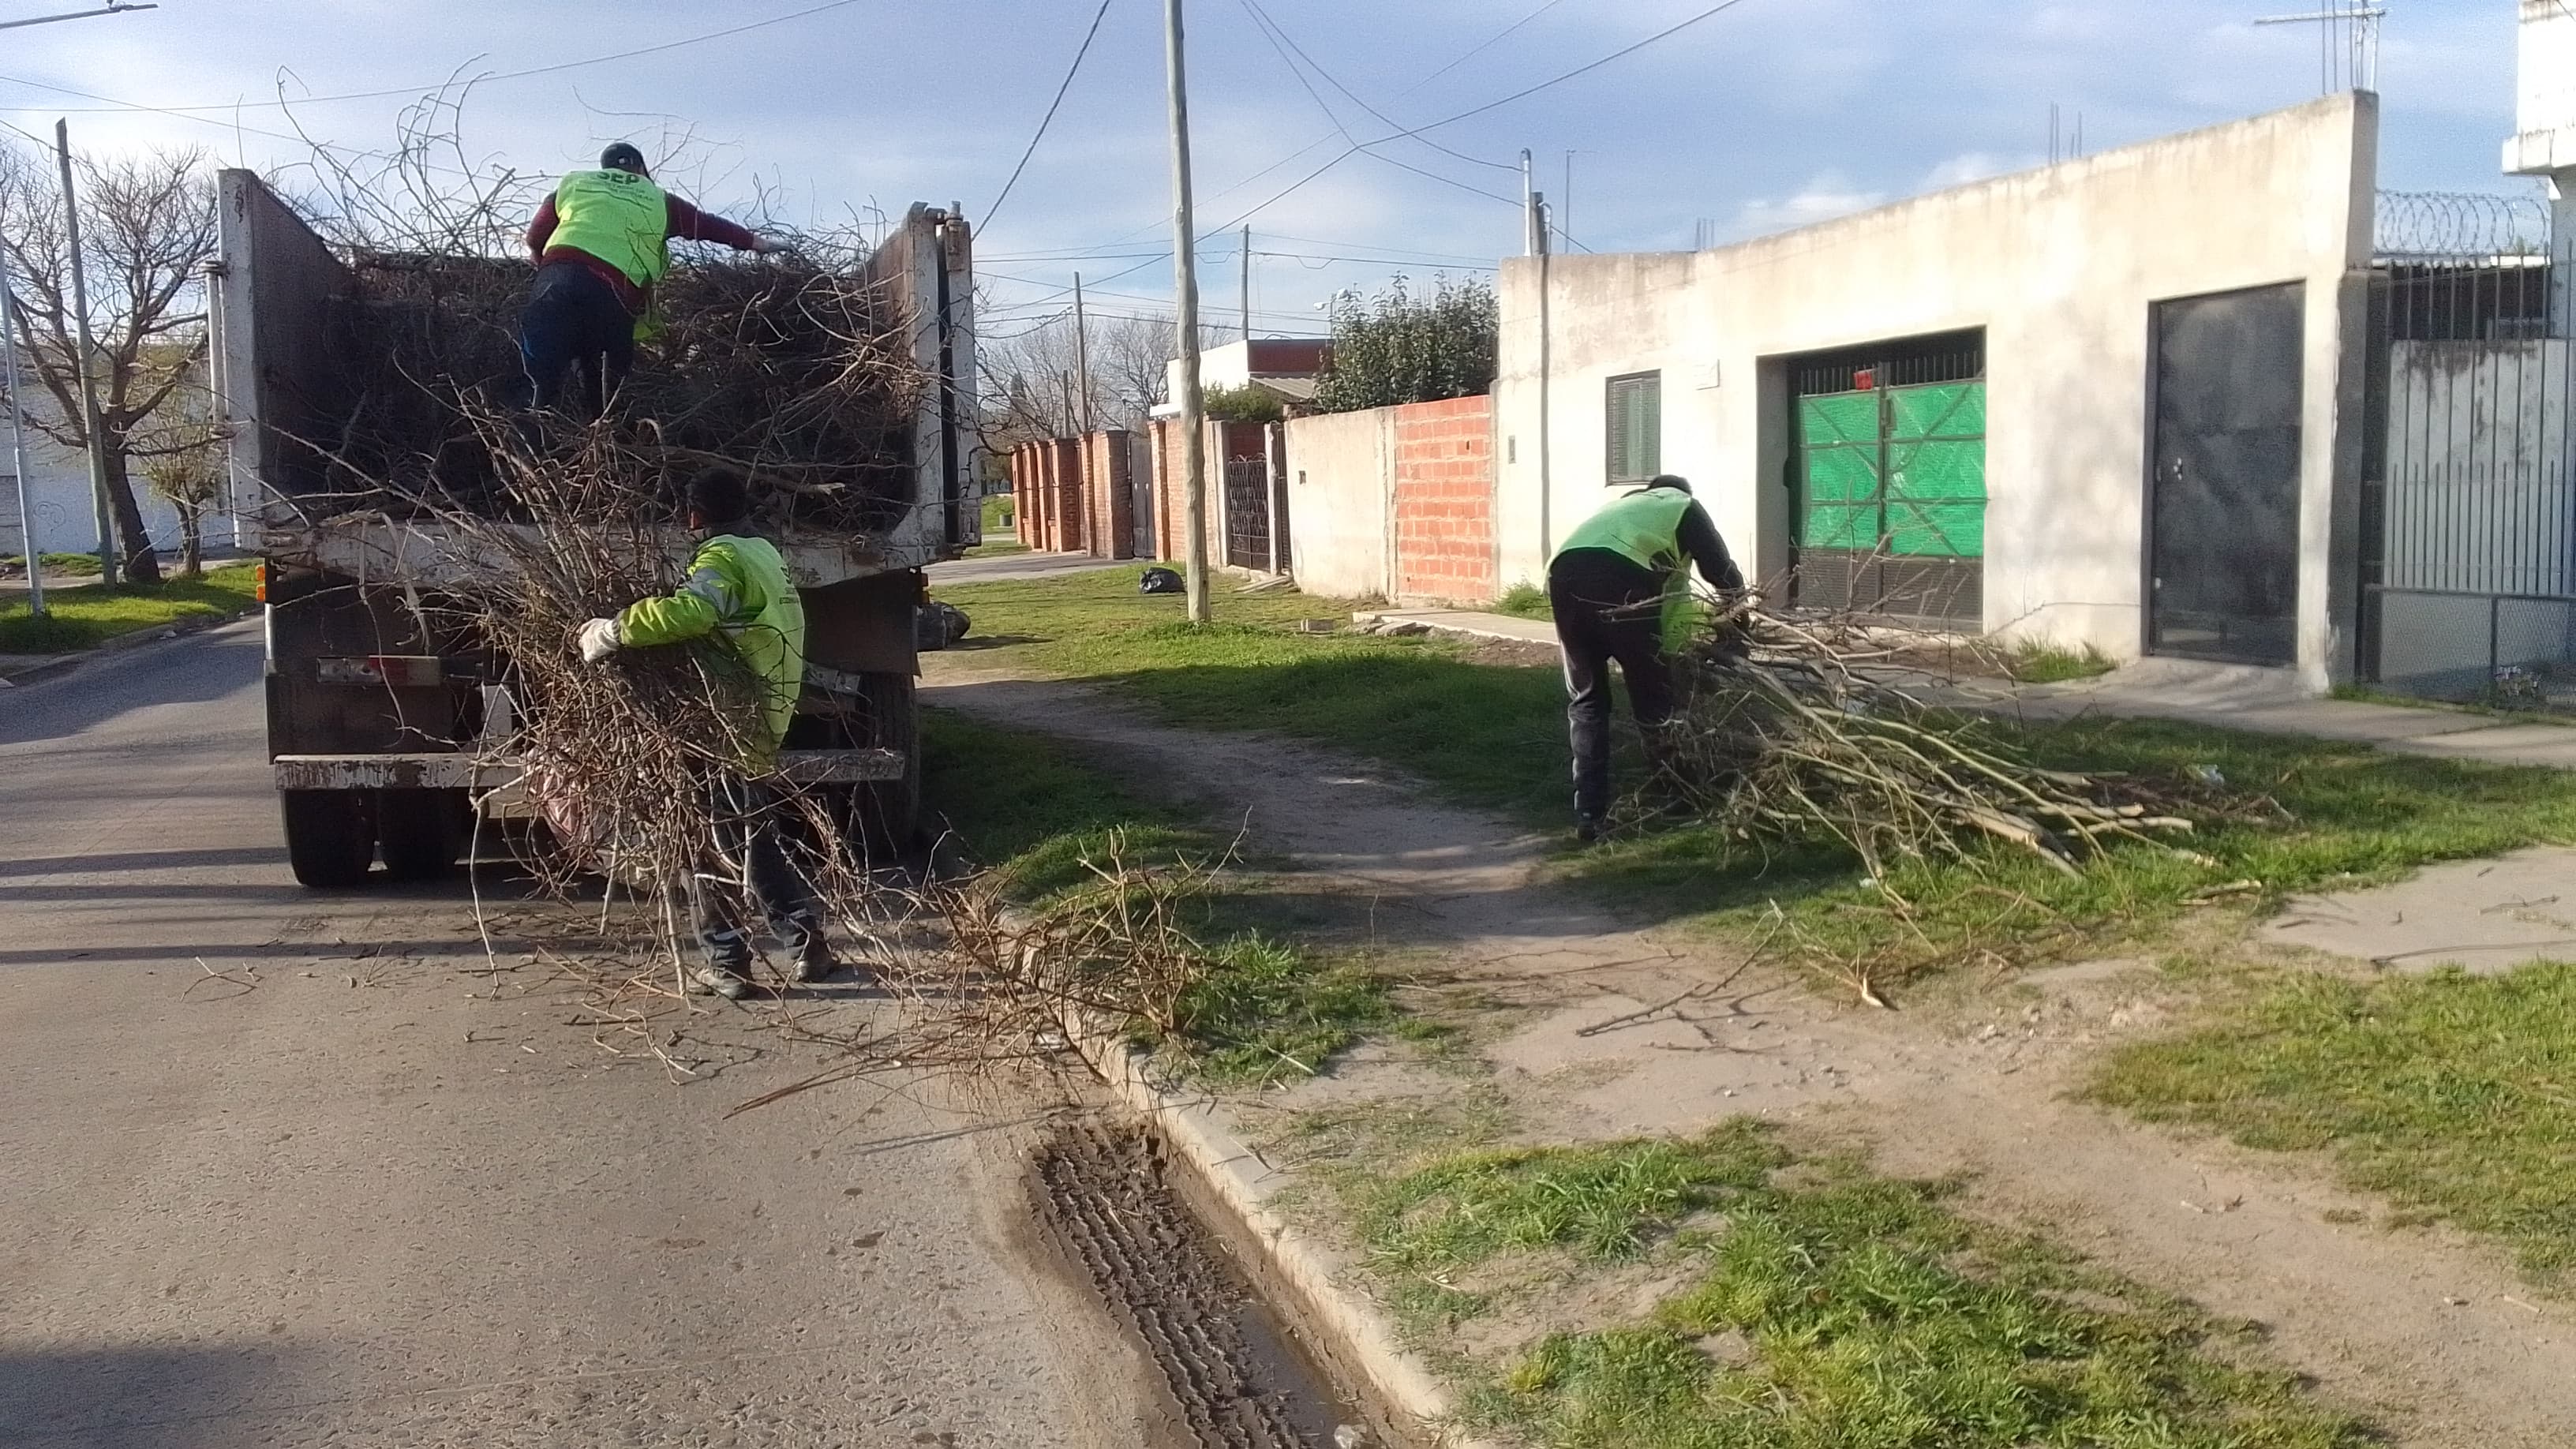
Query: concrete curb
1238,1181
1441,626
123,644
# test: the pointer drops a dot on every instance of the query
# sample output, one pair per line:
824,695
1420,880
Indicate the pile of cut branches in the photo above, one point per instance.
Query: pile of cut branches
1789,731
788,367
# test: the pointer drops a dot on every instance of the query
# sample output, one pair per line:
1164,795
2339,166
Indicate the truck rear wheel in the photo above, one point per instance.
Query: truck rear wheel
421,832
330,836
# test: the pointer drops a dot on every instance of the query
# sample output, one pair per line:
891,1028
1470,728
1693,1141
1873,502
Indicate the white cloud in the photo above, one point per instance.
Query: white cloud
1827,196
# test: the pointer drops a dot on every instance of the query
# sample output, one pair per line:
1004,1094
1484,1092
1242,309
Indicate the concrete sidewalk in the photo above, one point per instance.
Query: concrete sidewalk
2266,701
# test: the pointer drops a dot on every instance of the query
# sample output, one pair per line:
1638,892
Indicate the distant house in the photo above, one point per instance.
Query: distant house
1289,368
58,488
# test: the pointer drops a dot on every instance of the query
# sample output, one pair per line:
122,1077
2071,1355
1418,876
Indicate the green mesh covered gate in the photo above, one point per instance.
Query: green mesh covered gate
1891,481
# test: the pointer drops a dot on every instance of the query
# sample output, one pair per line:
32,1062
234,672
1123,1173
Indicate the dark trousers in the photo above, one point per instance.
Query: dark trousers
1607,608
574,324
753,878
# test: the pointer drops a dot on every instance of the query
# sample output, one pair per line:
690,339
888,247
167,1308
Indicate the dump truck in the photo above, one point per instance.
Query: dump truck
389,723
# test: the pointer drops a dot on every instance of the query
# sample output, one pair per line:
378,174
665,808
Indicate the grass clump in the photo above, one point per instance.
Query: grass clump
84,618
1854,1311
1265,1012
2452,1095
1525,601
2039,662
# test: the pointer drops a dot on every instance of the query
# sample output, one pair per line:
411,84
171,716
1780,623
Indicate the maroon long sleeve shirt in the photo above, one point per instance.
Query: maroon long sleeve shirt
683,223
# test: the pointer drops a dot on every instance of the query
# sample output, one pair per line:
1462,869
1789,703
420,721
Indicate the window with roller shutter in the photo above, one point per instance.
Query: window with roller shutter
1636,415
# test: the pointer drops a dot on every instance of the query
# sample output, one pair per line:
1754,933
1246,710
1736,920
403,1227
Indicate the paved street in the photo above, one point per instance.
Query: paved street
288,1169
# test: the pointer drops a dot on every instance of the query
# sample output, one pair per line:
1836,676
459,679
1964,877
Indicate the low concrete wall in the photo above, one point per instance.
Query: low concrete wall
1341,497
2062,268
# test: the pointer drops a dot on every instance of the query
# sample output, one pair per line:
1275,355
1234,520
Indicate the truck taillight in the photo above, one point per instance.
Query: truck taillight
259,583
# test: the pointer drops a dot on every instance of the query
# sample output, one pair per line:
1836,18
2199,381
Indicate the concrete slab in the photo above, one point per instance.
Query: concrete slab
2488,916
1473,623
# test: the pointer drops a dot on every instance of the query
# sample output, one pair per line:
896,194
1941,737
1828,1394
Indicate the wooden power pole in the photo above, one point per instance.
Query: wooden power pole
1185,282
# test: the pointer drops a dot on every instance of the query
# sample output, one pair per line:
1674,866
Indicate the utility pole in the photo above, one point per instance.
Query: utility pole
107,559
1185,286
1082,354
18,445
1247,291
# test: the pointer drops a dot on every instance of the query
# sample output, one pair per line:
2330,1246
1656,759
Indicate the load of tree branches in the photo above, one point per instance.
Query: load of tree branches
789,368
1794,728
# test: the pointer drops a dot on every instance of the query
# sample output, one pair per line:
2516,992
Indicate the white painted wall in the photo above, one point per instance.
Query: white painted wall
1341,503
58,485
2062,267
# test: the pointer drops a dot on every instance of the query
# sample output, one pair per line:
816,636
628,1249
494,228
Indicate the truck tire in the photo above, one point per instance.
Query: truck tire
421,832
330,836
890,811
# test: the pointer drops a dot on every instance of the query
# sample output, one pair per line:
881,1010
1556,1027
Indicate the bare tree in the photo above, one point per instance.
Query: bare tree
147,231
1034,379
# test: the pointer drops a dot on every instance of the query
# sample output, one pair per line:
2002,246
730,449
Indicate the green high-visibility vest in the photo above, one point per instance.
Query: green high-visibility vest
619,217
1646,529
738,591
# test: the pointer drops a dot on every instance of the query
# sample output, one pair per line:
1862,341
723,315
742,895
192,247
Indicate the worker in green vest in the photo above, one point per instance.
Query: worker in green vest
602,243
739,592
1620,589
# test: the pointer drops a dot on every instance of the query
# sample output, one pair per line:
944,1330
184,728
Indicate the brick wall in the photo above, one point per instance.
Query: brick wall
1444,501
1109,495
1076,495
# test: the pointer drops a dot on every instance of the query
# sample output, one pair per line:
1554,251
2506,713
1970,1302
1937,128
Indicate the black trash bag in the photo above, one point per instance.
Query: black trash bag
1160,581
937,626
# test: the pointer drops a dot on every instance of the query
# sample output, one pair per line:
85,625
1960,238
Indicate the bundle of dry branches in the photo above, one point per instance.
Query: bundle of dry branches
1787,731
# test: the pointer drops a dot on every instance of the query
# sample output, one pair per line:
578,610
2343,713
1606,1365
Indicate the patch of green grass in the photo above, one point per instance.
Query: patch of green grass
2539,712
1000,509
2036,662
1525,601
2452,1095
1020,806
1861,1312
1269,1012
79,565
77,619
1493,736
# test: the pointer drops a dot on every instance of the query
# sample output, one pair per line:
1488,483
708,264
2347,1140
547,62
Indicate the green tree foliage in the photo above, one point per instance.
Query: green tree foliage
1246,404
1405,348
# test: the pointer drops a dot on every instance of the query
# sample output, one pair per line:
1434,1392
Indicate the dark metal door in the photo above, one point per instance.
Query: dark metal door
1247,513
2223,510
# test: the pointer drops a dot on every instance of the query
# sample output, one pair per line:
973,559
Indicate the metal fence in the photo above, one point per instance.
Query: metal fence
2469,464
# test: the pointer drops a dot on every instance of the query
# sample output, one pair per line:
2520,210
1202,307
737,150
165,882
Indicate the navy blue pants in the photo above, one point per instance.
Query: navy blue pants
1608,610
753,878
575,324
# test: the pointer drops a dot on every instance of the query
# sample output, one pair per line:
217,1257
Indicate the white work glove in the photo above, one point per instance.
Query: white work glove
767,246
598,640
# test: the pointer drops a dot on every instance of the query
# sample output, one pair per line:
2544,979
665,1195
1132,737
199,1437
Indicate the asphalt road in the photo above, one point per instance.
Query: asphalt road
289,1169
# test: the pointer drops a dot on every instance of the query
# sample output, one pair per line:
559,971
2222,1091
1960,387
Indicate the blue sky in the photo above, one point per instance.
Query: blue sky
1776,112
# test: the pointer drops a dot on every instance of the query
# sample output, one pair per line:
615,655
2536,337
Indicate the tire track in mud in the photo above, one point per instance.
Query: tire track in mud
1104,1198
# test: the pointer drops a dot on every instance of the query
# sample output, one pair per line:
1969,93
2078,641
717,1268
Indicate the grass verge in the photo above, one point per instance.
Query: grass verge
84,618
2036,663
78,565
1818,1307
1492,736
1265,1011
2452,1095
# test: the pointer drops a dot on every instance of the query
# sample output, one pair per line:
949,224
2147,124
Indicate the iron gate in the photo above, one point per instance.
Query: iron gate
2468,516
1890,480
1247,513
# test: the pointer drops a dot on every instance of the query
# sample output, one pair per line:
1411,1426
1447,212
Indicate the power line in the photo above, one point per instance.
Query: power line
553,69
1278,36
1513,29
1710,13
1049,119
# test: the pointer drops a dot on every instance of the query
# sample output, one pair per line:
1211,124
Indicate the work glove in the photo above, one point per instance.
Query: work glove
767,246
598,640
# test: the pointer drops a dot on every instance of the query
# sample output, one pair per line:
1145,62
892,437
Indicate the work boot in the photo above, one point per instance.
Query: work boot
809,950
715,980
